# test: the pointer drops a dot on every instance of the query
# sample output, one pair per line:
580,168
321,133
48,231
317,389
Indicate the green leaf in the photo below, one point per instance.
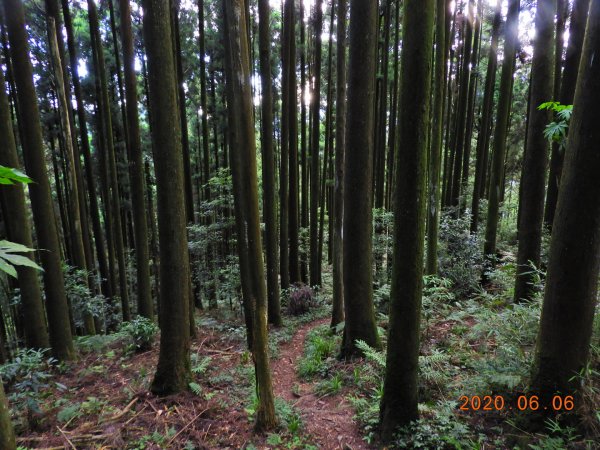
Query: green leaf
196,388
8,175
13,247
18,260
7,268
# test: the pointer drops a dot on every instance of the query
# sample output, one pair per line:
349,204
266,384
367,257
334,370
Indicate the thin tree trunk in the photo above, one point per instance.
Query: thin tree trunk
435,150
315,98
501,130
567,91
337,314
241,131
136,168
268,163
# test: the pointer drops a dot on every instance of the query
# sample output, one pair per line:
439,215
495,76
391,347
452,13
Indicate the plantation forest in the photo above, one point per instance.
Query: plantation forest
299,224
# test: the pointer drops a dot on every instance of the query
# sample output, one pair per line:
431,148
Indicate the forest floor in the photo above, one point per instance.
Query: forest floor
103,401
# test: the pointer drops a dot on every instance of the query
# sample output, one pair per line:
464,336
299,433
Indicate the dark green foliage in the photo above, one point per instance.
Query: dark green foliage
142,330
460,258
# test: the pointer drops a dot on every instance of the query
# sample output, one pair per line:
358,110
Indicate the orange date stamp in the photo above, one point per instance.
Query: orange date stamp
523,403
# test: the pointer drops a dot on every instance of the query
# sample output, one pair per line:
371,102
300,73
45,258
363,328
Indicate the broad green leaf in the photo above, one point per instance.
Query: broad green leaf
13,247
7,268
8,175
18,260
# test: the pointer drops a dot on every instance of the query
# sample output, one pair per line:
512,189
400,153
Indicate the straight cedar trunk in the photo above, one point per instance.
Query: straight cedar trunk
75,171
535,159
437,129
567,91
136,168
315,107
112,197
203,102
327,160
303,142
473,84
241,132
501,130
268,163
288,66
400,389
90,179
461,113
18,229
293,202
74,210
568,310
337,314
358,175
7,434
39,191
173,370
486,119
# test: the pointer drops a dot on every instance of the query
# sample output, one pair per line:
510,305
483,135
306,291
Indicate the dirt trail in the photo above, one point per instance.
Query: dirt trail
328,420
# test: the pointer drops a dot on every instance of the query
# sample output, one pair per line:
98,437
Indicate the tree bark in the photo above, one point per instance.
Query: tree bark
400,398
315,106
268,163
567,314
435,149
337,313
501,130
136,168
173,370
18,229
567,90
535,159
241,132
39,191
358,175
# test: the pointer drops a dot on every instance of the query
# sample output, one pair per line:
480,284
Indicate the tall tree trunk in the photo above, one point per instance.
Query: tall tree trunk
74,216
486,118
400,398
241,131
288,67
568,311
136,168
567,90
501,130
435,149
337,314
358,175
18,229
315,105
294,251
85,148
112,193
303,141
173,370
461,113
39,191
535,159
268,163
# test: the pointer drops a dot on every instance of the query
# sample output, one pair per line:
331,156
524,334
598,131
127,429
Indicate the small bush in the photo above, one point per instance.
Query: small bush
142,331
300,300
461,256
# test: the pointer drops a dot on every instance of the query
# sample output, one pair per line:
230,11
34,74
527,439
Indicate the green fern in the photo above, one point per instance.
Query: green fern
371,354
195,388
